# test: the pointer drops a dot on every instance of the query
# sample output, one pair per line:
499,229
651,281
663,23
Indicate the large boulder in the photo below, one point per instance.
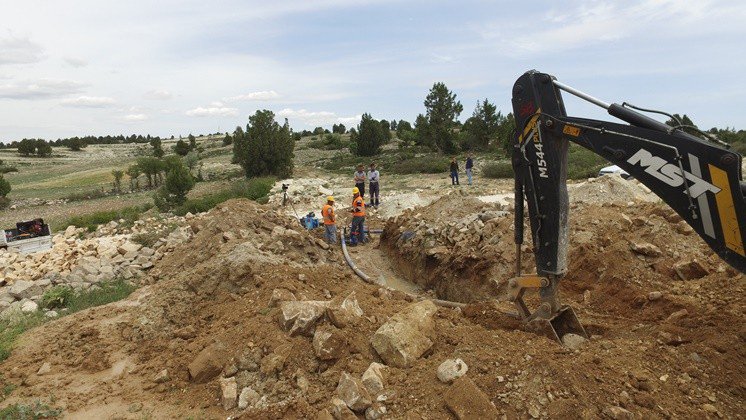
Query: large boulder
329,343
299,317
353,393
208,364
405,337
342,312
25,289
467,401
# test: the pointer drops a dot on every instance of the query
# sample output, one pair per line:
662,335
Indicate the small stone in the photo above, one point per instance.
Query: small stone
161,377
29,306
248,398
709,408
228,392
375,411
279,296
683,313
44,369
329,343
573,341
690,270
617,413
653,296
534,412
646,249
451,370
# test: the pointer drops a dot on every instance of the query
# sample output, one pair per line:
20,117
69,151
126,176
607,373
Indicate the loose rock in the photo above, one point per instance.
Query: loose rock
405,337
353,393
451,370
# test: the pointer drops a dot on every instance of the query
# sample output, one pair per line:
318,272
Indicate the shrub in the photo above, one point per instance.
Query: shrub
91,221
582,163
253,189
57,297
421,165
173,192
496,170
7,169
4,187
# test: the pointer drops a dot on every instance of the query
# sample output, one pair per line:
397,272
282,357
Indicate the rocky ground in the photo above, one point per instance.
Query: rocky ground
244,314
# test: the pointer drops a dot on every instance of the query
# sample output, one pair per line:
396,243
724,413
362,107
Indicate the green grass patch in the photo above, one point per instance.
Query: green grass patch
497,170
253,189
582,163
34,411
93,220
61,298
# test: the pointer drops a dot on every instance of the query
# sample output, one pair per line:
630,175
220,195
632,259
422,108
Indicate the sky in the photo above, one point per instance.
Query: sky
73,68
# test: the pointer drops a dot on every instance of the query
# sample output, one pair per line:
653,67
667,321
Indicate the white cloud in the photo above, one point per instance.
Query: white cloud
438,58
264,95
89,102
135,117
75,61
19,51
317,118
39,89
158,94
213,111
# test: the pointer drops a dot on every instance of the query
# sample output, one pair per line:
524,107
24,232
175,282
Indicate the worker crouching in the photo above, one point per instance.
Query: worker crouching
330,221
358,218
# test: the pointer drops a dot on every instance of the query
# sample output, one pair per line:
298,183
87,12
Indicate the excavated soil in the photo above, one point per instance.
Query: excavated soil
649,356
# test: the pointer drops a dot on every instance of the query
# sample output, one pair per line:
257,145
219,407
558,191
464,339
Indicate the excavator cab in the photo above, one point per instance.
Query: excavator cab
696,175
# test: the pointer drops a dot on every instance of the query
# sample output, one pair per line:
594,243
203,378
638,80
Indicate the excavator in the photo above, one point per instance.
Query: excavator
691,171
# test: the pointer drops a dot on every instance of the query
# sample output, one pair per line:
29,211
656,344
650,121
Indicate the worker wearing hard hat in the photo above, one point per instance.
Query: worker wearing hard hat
330,220
358,218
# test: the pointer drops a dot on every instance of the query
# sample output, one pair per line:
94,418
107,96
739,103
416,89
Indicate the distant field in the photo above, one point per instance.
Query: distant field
67,173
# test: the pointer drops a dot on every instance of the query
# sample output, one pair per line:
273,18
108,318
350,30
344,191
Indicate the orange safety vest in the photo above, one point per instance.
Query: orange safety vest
328,213
358,207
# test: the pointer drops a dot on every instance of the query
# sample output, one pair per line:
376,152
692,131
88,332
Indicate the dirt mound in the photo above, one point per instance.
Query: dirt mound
610,188
214,322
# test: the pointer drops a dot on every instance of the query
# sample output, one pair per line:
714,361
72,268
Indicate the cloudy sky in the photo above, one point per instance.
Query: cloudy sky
174,67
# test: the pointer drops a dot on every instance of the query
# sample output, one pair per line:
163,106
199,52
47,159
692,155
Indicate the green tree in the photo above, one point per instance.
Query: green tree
4,186
192,142
505,132
401,127
76,144
181,148
442,111
227,140
482,126
117,179
157,147
422,131
43,149
191,160
133,172
368,138
266,148
152,168
394,124
385,129
27,147
178,184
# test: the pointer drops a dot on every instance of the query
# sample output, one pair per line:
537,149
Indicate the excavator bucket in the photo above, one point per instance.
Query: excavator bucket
563,322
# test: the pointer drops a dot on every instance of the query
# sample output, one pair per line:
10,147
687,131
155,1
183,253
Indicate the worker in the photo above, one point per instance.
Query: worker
454,171
373,177
330,220
469,168
360,180
357,233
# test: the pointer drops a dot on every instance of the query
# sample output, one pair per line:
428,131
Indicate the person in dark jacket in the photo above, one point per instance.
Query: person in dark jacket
454,172
469,168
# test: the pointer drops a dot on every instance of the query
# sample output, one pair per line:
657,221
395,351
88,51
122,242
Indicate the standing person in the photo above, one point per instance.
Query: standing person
373,177
358,218
330,220
360,180
469,167
454,171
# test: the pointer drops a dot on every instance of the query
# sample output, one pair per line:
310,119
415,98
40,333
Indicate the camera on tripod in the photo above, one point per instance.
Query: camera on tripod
285,187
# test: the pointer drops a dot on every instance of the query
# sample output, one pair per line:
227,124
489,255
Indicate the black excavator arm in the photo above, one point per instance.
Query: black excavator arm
698,178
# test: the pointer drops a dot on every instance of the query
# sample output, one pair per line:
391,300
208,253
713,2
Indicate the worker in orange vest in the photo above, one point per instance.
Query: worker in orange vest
330,221
358,218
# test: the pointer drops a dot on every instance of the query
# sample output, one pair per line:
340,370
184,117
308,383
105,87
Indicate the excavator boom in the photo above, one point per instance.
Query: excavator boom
699,179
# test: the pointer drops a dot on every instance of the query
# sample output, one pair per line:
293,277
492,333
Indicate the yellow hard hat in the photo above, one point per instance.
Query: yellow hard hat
330,198
355,191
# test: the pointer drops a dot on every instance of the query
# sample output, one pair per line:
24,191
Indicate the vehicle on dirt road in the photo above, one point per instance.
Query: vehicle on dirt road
27,237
